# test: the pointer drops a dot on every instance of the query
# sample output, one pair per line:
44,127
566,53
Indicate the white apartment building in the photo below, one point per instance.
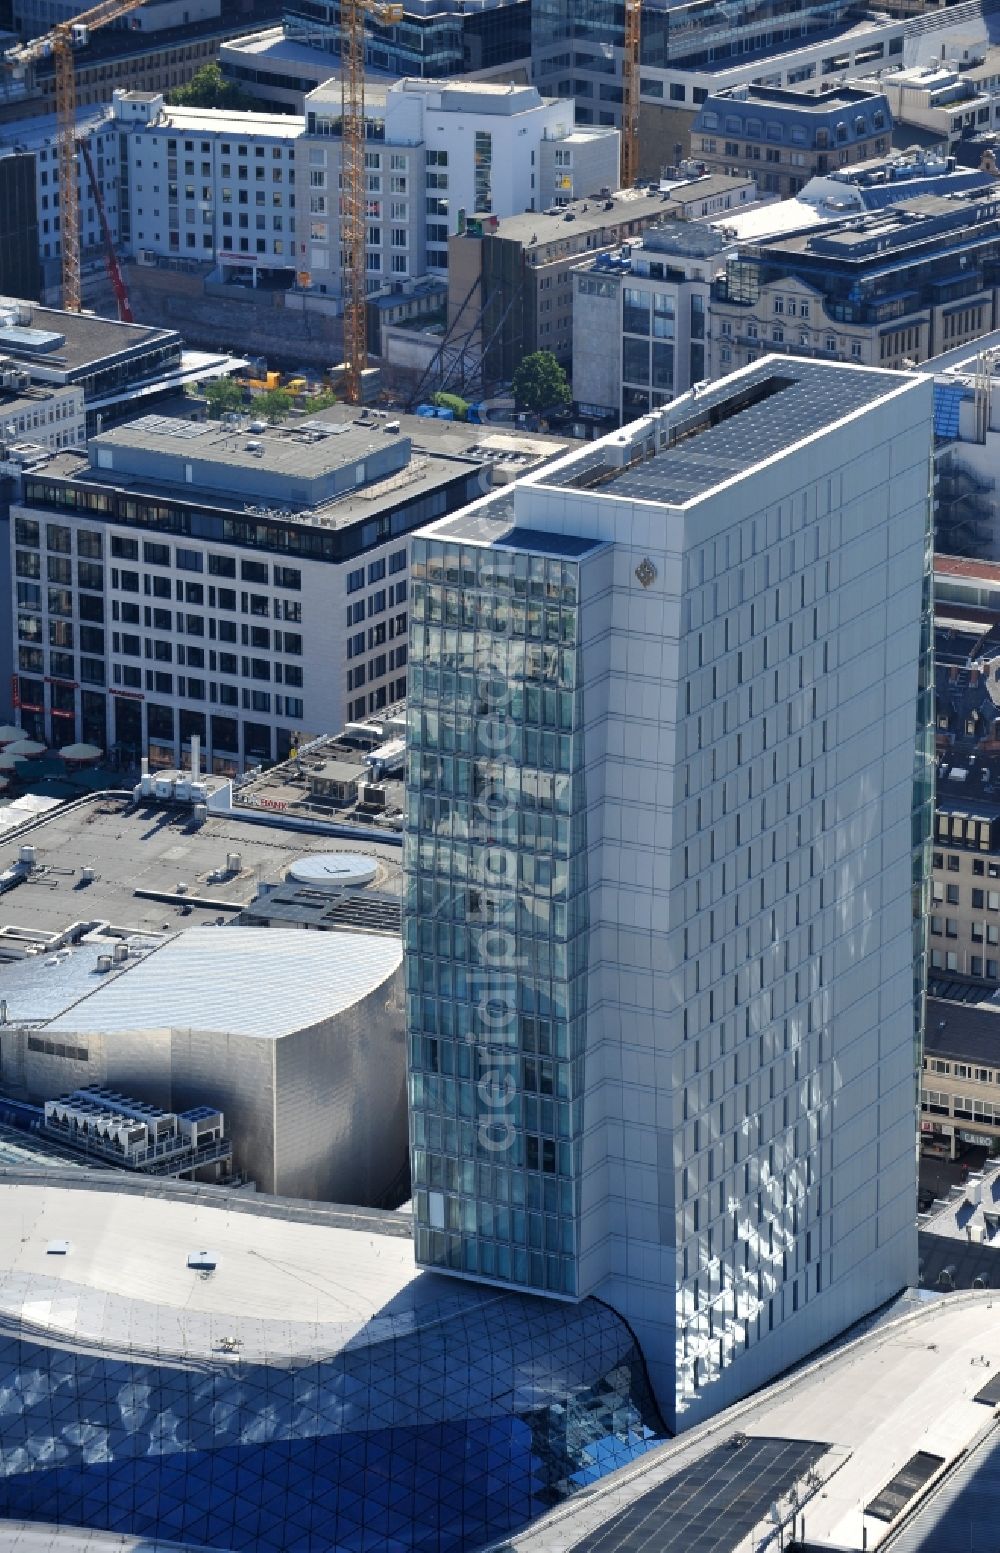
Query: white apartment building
661,821
439,153
208,184
239,583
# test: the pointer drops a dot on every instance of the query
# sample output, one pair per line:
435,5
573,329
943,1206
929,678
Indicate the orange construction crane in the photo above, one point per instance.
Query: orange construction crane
60,43
353,199
630,93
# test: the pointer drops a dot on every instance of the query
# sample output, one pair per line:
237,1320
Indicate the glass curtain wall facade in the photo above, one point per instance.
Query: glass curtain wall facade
717,927
576,44
433,41
496,916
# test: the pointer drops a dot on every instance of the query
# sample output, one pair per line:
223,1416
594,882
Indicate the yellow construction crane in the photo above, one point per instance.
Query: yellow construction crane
630,92
354,197
60,43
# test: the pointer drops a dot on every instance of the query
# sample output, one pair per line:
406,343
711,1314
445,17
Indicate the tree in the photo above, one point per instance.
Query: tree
273,404
208,88
322,400
540,383
224,395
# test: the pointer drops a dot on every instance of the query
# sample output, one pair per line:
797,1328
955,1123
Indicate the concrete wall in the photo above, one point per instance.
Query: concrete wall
662,129
287,336
597,346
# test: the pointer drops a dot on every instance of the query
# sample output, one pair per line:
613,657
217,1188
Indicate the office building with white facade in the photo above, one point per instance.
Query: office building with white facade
438,153
239,583
664,714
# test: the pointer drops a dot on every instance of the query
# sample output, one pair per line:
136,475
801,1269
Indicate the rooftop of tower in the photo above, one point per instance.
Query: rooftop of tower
719,432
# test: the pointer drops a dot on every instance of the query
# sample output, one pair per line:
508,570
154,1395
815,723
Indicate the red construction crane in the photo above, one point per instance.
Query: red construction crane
111,264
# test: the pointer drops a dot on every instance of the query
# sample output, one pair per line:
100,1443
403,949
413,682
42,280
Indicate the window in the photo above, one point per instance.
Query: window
287,577
189,560
355,580
222,566
635,311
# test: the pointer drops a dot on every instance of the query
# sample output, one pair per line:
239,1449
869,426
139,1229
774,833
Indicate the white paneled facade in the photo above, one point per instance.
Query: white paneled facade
737,1150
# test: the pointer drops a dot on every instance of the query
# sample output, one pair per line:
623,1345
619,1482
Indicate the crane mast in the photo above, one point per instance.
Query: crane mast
630,93
353,198
60,43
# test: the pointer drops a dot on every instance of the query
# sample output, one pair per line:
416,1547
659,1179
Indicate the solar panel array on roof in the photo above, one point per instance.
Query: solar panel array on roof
712,1505
725,430
990,1393
908,1481
947,398
172,426
960,1516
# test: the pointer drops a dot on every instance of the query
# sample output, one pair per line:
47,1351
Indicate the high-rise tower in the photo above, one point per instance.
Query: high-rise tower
663,819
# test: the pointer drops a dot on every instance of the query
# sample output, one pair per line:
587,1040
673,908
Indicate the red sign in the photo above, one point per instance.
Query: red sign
130,695
15,692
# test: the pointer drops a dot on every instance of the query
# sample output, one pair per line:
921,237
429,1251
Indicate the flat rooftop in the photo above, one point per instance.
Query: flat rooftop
156,848
536,228
29,134
226,121
708,439
28,399
421,476
88,340
969,1032
830,99
287,1287
300,449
